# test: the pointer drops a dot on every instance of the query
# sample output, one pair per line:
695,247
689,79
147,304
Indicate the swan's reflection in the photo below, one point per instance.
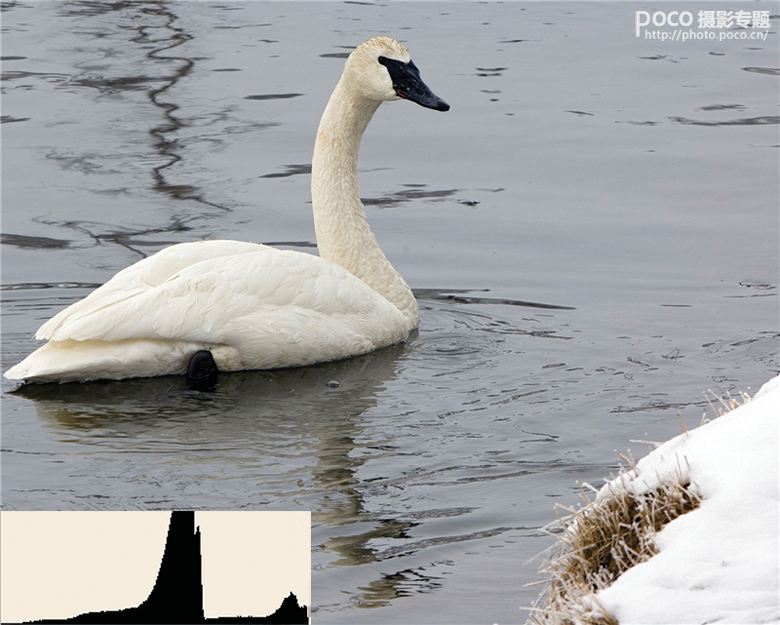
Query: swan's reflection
305,414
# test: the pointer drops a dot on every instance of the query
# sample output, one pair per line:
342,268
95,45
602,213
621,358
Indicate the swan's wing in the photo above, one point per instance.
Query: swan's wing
227,300
142,277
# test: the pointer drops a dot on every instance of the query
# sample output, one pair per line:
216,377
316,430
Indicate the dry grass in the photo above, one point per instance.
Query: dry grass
601,541
609,535
722,405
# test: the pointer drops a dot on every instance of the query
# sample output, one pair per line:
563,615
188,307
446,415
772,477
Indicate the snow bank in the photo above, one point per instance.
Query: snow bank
721,562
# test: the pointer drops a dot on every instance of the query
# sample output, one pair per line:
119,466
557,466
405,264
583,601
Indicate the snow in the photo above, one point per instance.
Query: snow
721,562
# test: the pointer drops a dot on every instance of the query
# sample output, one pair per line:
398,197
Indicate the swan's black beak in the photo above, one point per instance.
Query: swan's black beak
409,86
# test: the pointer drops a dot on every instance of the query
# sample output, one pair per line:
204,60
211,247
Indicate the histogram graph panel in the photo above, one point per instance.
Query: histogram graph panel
153,567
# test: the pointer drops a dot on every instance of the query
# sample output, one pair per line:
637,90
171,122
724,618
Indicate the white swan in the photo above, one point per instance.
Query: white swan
252,306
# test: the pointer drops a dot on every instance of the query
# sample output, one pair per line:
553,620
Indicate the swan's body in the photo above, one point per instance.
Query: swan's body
254,306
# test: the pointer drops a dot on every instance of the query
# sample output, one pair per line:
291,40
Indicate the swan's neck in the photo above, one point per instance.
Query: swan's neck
343,234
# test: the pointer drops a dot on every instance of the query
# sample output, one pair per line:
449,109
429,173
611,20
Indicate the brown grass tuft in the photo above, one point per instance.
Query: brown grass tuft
602,540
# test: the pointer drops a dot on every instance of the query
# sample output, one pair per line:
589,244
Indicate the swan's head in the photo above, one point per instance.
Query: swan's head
382,69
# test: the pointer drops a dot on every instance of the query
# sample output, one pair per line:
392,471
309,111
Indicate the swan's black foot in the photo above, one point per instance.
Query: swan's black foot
202,371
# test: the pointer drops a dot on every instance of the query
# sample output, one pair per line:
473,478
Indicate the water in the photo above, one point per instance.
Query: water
631,184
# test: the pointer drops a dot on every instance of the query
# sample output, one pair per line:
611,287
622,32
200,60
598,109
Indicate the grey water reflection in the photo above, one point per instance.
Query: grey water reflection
156,35
257,420
140,56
